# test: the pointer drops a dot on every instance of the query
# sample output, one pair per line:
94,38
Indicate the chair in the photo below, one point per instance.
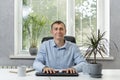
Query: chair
68,38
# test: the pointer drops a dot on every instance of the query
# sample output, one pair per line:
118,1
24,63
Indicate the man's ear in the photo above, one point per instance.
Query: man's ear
51,31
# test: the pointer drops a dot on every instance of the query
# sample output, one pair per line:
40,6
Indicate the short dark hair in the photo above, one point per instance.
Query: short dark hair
58,22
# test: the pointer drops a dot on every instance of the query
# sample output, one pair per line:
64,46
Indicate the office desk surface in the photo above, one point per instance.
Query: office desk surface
5,74
108,74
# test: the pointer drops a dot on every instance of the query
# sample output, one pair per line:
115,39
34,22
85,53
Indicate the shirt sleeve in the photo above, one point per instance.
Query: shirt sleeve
79,60
39,62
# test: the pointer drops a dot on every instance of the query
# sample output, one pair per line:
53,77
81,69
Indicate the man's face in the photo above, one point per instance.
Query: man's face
58,31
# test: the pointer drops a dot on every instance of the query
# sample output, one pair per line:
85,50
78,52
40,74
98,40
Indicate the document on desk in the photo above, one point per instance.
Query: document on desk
16,70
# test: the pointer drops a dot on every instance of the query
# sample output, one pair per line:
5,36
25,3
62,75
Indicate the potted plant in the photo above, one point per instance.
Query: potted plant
34,24
96,45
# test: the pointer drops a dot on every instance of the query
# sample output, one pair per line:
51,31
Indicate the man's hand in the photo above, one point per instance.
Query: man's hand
48,70
70,70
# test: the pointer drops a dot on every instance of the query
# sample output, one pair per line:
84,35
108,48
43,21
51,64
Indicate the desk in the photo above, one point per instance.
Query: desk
6,75
108,74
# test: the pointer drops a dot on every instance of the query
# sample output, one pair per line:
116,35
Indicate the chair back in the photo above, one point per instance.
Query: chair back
68,38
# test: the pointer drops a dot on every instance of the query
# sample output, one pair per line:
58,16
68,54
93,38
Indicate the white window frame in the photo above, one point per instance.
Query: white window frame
103,18
103,21
17,23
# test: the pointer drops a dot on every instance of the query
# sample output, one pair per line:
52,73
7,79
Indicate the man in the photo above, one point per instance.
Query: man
58,53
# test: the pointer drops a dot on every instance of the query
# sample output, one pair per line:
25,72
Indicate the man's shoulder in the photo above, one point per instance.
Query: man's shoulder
48,42
69,43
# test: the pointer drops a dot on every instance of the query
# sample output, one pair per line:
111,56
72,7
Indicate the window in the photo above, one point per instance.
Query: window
51,10
80,16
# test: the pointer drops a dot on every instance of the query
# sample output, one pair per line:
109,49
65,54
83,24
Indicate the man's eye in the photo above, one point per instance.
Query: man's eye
56,29
61,28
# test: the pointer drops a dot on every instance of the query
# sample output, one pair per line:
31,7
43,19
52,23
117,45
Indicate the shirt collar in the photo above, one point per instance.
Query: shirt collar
64,46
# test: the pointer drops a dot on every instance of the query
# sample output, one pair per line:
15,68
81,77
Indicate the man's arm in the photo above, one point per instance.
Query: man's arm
39,62
79,60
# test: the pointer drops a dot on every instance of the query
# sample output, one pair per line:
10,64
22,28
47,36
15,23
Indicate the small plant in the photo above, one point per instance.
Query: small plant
96,45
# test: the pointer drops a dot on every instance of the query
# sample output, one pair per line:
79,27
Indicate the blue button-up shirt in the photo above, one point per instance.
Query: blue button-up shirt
56,57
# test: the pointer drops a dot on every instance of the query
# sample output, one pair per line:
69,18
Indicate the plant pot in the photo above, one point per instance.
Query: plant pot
95,70
33,51
85,69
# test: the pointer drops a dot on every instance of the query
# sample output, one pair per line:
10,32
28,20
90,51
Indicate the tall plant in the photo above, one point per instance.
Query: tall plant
34,24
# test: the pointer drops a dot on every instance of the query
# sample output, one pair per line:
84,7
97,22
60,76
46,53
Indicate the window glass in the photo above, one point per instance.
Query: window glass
85,19
51,10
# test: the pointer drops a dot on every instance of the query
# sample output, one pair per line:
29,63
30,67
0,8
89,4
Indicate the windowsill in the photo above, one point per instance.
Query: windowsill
108,58
21,57
33,57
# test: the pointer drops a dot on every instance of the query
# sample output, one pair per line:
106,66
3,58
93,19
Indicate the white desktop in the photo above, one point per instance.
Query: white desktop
107,74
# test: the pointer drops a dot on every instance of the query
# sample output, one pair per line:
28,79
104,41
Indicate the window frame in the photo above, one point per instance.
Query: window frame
103,22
